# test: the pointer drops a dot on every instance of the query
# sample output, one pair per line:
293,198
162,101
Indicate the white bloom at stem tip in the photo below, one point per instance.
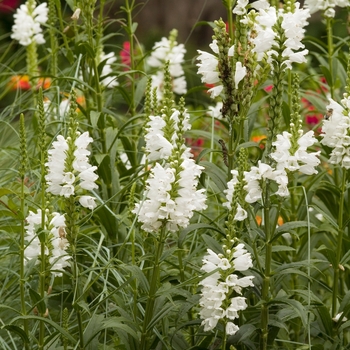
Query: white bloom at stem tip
66,182
26,28
168,50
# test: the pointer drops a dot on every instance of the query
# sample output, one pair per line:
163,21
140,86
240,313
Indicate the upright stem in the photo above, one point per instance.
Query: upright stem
131,29
339,246
229,7
22,171
182,279
330,54
42,276
153,289
267,272
21,272
53,39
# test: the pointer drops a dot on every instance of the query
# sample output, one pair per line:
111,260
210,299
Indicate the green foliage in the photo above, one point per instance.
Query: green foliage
130,289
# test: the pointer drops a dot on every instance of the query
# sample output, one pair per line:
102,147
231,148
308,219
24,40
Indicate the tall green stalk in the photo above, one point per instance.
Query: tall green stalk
43,272
22,171
267,271
339,245
329,22
130,28
153,288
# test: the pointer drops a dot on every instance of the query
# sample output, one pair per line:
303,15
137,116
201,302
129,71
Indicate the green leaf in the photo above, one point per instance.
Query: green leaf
161,309
49,322
194,227
282,248
94,117
37,301
289,226
324,319
94,327
138,274
140,90
216,175
117,324
19,331
299,309
212,243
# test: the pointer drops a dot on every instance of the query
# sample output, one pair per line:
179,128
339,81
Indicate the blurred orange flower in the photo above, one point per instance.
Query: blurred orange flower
45,83
19,82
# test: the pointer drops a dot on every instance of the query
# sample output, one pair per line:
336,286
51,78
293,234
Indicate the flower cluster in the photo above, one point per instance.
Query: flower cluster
162,204
217,301
171,191
56,244
292,26
257,175
240,214
168,50
208,68
159,144
296,158
26,28
336,132
64,182
326,5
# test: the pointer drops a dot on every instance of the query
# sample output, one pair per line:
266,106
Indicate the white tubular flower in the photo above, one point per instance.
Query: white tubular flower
157,146
26,28
66,182
218,288
335,132
87,202
293,24
57,243
108,81
231,328
240,9
168,50
256,175
56,166
158,204
253,177
215,111
242,259
208,68
230,189
326,5
240,73
240,214
265,38
161,206
298,159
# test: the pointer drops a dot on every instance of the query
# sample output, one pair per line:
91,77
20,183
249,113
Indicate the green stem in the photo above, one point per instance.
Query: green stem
229,7
53,39
42,275
224,339
267,272
153,289
330,54
182,280
336,281
21,272
131,30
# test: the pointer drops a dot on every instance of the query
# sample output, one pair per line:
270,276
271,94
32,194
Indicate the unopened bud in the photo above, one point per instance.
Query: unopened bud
76,14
